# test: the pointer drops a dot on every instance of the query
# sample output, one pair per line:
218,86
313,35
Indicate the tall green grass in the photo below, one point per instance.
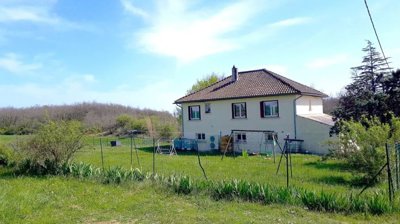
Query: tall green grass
376,204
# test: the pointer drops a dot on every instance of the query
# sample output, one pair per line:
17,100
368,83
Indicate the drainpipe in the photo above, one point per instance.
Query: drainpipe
295,116
182,118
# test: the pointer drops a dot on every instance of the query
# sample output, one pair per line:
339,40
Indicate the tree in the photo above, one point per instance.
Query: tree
368,95
392,89
373,70
204,82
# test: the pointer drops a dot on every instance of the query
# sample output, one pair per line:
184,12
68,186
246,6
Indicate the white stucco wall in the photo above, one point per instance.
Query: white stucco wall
314,134
219,121
309,105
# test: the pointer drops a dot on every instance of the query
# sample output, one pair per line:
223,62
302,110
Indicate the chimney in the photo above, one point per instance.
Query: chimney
235,75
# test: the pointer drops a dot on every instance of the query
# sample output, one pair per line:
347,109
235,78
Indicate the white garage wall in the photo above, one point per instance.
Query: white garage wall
314,134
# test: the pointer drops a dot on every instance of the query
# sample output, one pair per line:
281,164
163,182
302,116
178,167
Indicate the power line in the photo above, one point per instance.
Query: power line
376,33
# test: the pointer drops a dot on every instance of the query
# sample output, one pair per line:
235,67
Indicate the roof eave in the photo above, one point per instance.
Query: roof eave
233,98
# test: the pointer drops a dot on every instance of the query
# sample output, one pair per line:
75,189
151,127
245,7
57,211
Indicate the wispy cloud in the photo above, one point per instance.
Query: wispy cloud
13,63
187,31
320,63
36,12
291,22
179,31
129,7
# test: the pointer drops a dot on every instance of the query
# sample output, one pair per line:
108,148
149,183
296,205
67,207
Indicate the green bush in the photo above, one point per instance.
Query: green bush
5,155
51,148
362,145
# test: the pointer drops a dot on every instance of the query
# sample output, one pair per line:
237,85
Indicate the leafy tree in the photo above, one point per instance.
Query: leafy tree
204,82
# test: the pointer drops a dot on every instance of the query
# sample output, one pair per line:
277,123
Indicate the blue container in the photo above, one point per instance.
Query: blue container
178,143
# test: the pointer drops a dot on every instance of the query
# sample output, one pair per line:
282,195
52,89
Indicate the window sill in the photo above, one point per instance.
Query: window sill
270,117
239,118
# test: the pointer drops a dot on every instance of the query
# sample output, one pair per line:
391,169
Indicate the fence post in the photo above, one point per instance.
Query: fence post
389,172
287,162
397,149
102,157
131,151
154,156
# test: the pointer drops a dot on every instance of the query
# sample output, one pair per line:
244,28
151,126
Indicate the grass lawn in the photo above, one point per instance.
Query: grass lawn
308,170
70,200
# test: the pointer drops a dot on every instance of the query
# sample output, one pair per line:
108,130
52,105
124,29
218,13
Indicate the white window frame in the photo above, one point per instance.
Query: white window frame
193,113
200,136
240,137
273,108
242,113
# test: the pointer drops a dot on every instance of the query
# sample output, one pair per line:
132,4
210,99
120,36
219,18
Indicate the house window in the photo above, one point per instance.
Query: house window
200,136
207,108
194,112
239,110
240,137
271,136
269,108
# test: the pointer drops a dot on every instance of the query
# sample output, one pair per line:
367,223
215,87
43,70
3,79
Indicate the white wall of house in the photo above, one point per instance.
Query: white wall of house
219,121
309,105
314,133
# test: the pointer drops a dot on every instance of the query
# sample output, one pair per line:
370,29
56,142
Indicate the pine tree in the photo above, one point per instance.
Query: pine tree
368,94
373,71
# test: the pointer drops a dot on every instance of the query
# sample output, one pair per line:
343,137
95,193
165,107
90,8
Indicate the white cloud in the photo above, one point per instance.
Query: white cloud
291,22
12,63
186,34
187,31
129,7
36,12
321,63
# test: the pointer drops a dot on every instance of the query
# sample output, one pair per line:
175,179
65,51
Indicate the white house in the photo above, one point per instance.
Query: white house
258,100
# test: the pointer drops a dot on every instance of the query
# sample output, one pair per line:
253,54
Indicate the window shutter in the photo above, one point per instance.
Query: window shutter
190,113
233,110
261,109
199,113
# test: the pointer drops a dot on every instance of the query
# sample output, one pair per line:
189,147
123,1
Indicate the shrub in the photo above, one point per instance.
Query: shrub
53,146
5,155
362,145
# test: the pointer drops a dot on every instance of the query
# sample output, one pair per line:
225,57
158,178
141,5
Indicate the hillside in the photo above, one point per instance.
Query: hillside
95,117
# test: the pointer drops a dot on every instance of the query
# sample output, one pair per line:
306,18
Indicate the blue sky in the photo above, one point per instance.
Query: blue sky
146,54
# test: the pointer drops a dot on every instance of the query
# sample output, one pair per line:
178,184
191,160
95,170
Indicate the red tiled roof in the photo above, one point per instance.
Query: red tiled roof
254,83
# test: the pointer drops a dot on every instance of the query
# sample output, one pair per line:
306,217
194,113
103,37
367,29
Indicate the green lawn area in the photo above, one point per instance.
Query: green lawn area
309,171
71,200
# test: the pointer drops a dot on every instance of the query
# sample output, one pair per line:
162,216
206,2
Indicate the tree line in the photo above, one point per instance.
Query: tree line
95,118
